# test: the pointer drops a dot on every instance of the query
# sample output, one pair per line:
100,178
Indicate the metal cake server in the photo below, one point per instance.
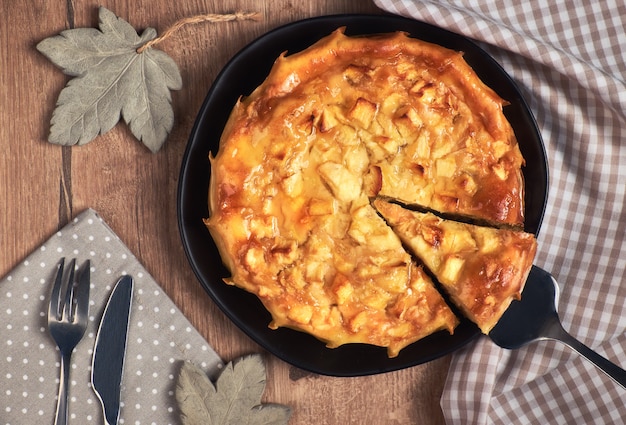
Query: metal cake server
535,318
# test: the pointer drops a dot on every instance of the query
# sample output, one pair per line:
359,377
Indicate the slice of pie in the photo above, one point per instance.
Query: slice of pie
483,269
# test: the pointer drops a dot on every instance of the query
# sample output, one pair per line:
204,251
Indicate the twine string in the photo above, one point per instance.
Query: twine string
209,17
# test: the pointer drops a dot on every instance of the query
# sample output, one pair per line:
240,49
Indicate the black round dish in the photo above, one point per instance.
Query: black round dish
240,77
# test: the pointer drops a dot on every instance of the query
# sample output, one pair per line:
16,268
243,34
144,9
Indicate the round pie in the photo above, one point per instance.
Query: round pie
302,160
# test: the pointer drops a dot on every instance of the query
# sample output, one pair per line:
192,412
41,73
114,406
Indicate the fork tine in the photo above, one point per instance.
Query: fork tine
55,296
82,291
69,292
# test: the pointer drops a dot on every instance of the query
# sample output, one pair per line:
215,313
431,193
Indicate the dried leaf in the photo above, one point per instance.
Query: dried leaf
235,399
111,80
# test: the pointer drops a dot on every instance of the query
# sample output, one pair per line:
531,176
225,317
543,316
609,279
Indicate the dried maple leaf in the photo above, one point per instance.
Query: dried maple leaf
111,80
235,399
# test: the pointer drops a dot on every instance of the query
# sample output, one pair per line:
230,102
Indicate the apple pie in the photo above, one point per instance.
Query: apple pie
332,128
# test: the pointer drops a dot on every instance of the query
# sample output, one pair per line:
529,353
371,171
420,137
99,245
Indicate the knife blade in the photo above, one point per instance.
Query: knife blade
110,347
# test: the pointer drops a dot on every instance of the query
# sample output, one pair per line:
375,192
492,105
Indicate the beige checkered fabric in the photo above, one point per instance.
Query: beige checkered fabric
569,60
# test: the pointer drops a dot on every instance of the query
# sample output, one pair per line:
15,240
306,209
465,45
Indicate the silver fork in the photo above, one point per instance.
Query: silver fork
68,315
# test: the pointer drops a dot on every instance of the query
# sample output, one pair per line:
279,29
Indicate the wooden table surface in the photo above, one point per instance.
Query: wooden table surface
43,186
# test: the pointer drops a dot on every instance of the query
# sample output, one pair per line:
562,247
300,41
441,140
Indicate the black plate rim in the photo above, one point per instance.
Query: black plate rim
352,359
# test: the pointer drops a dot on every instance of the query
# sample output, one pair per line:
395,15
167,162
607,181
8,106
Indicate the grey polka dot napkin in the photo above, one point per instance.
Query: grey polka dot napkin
159,337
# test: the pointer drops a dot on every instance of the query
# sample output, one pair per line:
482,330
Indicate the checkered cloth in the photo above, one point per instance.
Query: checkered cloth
569,60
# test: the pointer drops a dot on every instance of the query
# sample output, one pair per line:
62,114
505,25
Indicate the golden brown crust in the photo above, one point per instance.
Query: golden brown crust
347,120
482,268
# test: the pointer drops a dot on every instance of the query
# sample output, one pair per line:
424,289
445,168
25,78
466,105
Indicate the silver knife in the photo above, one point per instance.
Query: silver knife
108,356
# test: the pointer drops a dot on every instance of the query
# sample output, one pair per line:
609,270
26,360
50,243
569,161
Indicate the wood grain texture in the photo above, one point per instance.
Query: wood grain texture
42,186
